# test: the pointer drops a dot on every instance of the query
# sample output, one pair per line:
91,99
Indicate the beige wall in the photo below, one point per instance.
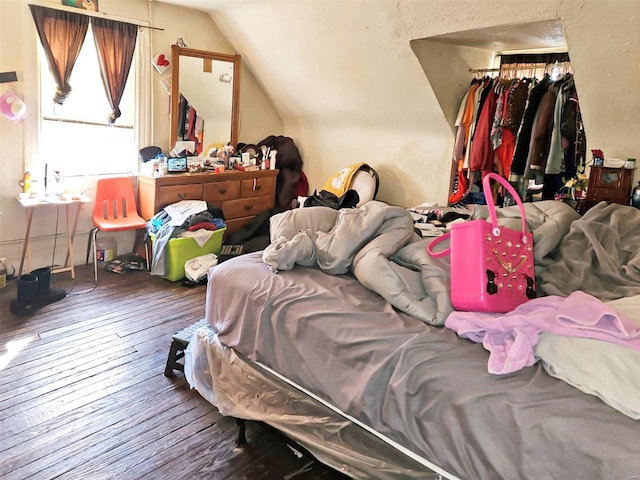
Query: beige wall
258,116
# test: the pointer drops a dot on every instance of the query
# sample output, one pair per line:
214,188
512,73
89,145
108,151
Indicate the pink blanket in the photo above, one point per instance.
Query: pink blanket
512,337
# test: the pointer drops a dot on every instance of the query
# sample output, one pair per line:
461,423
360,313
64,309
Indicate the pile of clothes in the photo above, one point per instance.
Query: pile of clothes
188,218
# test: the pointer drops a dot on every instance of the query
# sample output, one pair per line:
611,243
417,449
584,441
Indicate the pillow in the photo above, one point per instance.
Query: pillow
365,184
606,370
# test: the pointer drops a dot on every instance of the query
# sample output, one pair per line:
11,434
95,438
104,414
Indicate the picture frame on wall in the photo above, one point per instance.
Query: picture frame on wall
91,5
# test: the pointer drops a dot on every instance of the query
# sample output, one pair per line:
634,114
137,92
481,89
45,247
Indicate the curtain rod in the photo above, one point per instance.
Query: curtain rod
91,13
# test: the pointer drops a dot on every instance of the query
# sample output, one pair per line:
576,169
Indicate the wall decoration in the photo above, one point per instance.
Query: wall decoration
166,85
160,62
12,106
83,4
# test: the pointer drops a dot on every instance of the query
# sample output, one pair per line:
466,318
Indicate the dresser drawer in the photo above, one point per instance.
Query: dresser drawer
221,191
605,193
257,187
174,193
609,195
246,207
236,224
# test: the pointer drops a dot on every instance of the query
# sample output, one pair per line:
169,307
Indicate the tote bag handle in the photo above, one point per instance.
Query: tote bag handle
486,186
435,242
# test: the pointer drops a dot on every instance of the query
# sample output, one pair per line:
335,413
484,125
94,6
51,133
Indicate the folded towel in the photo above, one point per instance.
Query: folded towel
201,236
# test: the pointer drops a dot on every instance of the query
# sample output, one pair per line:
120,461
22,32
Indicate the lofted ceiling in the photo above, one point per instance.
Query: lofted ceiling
533,36
301,47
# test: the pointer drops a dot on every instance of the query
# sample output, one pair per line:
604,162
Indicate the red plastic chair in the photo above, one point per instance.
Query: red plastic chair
115,210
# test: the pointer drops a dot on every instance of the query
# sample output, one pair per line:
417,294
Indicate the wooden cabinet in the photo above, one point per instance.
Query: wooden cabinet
612,185
240,195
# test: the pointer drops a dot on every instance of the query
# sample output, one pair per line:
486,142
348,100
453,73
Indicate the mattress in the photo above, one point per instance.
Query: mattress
422,387
244,389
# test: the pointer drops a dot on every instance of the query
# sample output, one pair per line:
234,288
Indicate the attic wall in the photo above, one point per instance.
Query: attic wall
447,70
349,84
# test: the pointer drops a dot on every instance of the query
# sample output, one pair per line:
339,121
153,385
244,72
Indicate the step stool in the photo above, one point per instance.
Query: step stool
179,342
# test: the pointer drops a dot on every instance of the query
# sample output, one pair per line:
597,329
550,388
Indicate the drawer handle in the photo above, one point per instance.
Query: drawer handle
222,191
182,195
248,207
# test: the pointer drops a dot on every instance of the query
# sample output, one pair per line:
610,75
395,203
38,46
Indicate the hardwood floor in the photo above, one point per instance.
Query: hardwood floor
83,395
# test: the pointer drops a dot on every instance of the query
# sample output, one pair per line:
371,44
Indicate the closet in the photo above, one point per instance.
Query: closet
521,120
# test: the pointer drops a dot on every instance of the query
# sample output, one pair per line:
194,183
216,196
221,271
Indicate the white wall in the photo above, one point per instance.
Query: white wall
17,40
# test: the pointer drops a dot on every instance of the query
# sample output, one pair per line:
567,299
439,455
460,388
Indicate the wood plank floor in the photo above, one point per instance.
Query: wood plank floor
83,395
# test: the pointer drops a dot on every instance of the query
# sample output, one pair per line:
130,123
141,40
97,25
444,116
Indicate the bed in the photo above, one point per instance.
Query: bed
377,392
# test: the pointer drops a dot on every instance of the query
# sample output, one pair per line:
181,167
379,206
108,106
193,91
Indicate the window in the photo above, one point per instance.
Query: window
535,65
75,138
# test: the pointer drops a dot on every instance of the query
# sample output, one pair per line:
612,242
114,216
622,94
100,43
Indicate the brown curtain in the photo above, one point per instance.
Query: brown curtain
61,34
116,42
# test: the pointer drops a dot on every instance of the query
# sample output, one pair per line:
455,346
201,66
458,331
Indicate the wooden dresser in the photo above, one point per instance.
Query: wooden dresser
612,185
240,195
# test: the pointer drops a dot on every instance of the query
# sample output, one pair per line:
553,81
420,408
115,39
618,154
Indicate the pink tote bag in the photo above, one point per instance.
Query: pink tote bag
492,267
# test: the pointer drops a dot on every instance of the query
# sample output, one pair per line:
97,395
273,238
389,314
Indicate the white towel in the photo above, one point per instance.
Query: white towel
201,236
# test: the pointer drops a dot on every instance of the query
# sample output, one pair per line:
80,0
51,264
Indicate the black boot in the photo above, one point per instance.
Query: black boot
45,294
25,303
34,292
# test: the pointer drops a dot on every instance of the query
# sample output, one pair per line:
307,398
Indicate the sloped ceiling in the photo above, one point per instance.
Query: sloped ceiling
378,81
542,35
324,59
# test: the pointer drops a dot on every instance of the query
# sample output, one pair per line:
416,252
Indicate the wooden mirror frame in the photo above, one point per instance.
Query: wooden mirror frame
176,53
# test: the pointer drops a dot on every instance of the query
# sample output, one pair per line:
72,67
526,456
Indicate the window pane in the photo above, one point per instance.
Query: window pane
88,150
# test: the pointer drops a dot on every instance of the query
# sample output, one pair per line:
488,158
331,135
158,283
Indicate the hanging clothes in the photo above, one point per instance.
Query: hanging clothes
556,162
540,138
481,159
520,128
516,104
524,132
471,118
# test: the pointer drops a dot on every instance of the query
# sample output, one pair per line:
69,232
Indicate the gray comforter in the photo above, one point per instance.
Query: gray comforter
377,244
599,255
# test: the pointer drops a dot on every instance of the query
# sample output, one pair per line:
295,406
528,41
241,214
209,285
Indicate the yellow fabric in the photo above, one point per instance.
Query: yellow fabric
340,182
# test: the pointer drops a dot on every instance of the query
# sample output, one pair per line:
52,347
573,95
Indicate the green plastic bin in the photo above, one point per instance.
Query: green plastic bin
179,250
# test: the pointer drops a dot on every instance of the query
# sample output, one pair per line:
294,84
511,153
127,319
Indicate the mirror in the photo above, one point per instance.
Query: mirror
205,93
